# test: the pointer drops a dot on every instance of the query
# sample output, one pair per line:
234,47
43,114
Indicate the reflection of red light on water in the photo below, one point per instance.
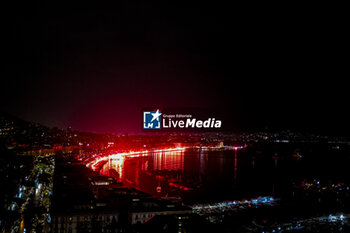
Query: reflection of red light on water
166,163
132,154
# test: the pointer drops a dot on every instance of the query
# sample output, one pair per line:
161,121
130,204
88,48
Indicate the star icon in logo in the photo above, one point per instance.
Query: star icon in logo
156,115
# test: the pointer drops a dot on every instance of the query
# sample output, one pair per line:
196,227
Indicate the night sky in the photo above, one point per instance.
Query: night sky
94,67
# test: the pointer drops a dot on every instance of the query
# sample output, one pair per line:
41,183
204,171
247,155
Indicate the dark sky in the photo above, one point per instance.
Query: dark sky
94,67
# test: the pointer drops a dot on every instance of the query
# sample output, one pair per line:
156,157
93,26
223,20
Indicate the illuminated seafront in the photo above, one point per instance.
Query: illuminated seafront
226,183
166,165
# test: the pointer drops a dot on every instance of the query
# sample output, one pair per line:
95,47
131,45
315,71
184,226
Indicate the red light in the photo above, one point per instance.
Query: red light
131,154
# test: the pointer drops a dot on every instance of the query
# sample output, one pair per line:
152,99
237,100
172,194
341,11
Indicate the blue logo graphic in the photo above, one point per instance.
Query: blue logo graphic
151,120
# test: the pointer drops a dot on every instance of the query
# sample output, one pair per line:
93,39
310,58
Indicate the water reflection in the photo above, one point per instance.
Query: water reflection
114,167
214,176
235,171
132,170
177,172
168,160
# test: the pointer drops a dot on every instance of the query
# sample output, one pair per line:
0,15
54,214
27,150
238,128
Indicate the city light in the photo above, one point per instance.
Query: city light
230,205
132,154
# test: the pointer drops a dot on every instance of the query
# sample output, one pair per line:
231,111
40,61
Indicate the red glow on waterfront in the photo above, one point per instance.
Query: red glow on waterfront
100,160
94,165
159,167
